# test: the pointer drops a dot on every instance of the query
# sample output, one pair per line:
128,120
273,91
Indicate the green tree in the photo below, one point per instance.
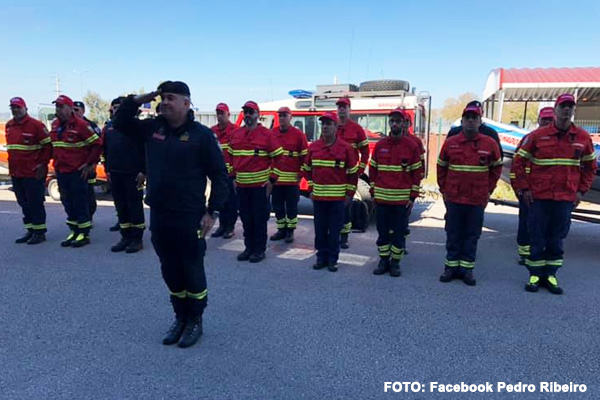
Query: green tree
513,112
453,107
96,107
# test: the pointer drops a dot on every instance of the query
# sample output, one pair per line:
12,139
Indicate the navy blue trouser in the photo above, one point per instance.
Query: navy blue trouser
30,194
347,223
464,224
285,200
73,195
129,204
391,223
180,248
228,216
523,240
549,224
328,219
91,194
254,212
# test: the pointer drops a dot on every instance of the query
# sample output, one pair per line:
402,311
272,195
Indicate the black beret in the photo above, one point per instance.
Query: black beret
176,87
117,100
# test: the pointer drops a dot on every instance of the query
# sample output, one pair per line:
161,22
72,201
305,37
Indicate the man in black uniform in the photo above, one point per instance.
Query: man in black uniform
125,165
79,110
181,154
483,128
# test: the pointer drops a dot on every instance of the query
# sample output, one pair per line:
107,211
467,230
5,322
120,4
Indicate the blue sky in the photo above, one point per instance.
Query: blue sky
234,51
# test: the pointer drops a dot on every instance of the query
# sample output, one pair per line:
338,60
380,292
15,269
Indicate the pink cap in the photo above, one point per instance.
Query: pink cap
252,105
223,107
565,98
472,109
343,100
329,115
62,99
284,110
18,101
547,112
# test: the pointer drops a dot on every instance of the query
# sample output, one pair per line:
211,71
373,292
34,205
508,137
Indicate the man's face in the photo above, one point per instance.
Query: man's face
285,120
18,112
174,106
63,112
222,117
114,108
398,124
471,122
545,121
250,116
564,110
343,110
328,129
79,111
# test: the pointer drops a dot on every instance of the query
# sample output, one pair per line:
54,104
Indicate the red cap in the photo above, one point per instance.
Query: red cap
343,100
223,107
17,101
472,109
251,104
284,110
565,98
401,112
329,115
62,99
546,112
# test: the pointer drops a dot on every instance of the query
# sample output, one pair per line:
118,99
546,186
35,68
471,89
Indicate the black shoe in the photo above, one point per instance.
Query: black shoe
551,283
395,268
244,256
332,268
81,240
134,246
289,236
121,246
468,277
37,238
319,265
25,238
344,241
229,233
69,240
382,267
174,333
191,333
116,227
534,284
448,275
219,232
257,257
279,235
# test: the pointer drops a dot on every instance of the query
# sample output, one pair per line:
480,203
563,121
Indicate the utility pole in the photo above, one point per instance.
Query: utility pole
57,84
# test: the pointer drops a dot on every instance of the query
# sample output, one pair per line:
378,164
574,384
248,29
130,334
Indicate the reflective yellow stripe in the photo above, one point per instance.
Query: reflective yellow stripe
512,176
45,140
391,194
28,226
467,264
180,295
451,263
138,226
524,154
362,165
442,163
304,152
329,190
24,147
497,163
589,157
530,263
352,170
125,225
38,227
91,139
91,181
469,168
285,175
85,224
197,296
306,167
556,161
362,144
277,152
328,163
415,188
351,187
251,153
373,163
253,177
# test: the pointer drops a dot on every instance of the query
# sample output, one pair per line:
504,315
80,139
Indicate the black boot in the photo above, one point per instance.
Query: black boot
551,283
134,246
319,265
344,241
332,267
395,268
175,331
69,240
229,232
37,238
191,333
116,227
448,275
468,277
25,238
81,240
257,257
382,267
534,284
244,255
279,235
289,236
121,246
219,232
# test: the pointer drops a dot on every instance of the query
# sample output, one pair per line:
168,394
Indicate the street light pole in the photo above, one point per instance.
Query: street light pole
80,82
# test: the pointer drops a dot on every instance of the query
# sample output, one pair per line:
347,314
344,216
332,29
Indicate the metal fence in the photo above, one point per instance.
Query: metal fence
590,125
209,118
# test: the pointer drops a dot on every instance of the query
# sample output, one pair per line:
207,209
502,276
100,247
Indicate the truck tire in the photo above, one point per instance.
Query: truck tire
53,191
382,85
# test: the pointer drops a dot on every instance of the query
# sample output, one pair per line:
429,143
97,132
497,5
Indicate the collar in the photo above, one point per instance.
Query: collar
463,138
25,119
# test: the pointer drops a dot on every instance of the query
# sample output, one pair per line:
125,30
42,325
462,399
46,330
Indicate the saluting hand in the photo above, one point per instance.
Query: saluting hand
146,97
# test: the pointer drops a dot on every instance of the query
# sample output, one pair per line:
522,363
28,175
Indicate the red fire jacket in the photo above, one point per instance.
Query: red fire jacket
252,156
354,134
396,170
295,148
331,171
28,145
75,144
561,164
224,137
468,169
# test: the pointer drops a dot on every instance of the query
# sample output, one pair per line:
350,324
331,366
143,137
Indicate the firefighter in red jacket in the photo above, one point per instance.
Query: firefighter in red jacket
353,134
469,167
331,171
563,166
77,150
29,151
286,192
253,150
224,130
545,117
395,171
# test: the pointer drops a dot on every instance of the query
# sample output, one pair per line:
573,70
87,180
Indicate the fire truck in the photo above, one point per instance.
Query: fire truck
371,101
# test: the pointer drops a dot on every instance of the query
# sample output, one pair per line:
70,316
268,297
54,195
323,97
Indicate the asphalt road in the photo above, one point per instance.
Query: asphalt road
87,324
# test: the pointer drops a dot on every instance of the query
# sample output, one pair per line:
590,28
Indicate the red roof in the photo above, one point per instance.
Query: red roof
547,75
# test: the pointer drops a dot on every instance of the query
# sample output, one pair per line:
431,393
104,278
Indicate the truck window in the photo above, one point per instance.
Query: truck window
308,124
375,124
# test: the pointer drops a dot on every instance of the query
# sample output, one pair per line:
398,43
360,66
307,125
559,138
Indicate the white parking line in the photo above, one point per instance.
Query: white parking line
299,254
427,243
353,259
234,245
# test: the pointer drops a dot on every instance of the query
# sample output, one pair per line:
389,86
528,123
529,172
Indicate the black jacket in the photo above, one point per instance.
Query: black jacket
178,161
122,153
484,130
